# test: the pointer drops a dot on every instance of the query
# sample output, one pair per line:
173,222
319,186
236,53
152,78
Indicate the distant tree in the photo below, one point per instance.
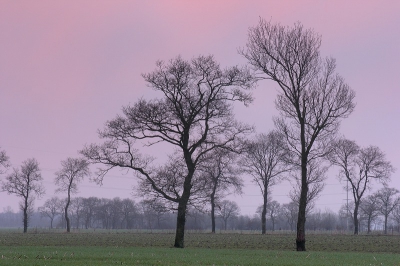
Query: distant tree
396,217
51,209
153,212
387,201
130,213
26,184
75,208
227,210
369,208
221,173
328,220
89,209
273,210
313,98
194,117
359,166
289,211
265,159
4,161
67,179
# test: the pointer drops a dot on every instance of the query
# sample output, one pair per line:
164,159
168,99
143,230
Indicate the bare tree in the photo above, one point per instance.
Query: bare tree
129,213
89,210
387,201
51,209
67,179
359,166
273,210
369,209
4,161
290,210
265,159
313,98
75,208
154,212
194,117
25,183
227,210
396,216
221,173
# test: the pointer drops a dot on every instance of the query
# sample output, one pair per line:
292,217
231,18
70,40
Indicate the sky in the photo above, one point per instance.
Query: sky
66,67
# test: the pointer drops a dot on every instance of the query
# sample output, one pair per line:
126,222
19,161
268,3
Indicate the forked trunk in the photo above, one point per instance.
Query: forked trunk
25,218
181,217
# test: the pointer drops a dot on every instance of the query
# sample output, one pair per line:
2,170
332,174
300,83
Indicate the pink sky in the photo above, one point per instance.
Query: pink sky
68,66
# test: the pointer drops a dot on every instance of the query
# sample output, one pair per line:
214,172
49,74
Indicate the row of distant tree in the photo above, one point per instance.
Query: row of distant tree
378,212
209,149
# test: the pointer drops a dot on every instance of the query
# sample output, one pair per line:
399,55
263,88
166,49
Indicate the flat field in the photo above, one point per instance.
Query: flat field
145,248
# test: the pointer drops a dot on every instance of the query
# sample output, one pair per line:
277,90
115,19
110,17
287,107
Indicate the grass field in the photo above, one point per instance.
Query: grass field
138,248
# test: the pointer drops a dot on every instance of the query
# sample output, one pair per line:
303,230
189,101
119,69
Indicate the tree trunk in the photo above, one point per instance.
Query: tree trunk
301,221
180,224
213,210
386,219
25,218
182,207
355,217
369,225
212,215
264,213
66,213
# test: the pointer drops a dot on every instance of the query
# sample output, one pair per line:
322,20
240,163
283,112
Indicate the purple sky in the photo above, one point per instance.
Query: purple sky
68,66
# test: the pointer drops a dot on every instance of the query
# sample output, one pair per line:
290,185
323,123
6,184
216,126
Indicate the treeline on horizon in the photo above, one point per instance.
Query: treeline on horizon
117,213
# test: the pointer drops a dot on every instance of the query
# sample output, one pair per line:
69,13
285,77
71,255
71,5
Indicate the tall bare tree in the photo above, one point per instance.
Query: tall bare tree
266,159
387,201
26,184
194,117
221,174
313,98
67,179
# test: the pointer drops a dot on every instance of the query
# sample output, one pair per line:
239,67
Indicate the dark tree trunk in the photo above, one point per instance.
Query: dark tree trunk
355,217
182,207
264,213
386,219
301,221
25,218
180,224
213,209
66,213
212,216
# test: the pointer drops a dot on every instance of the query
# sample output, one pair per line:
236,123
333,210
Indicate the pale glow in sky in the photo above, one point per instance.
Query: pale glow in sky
68,66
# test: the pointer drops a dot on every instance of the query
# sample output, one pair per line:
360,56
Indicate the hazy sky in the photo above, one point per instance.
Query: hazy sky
66,67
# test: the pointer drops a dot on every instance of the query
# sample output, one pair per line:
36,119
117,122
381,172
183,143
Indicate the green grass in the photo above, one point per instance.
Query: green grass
189,256
133,248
